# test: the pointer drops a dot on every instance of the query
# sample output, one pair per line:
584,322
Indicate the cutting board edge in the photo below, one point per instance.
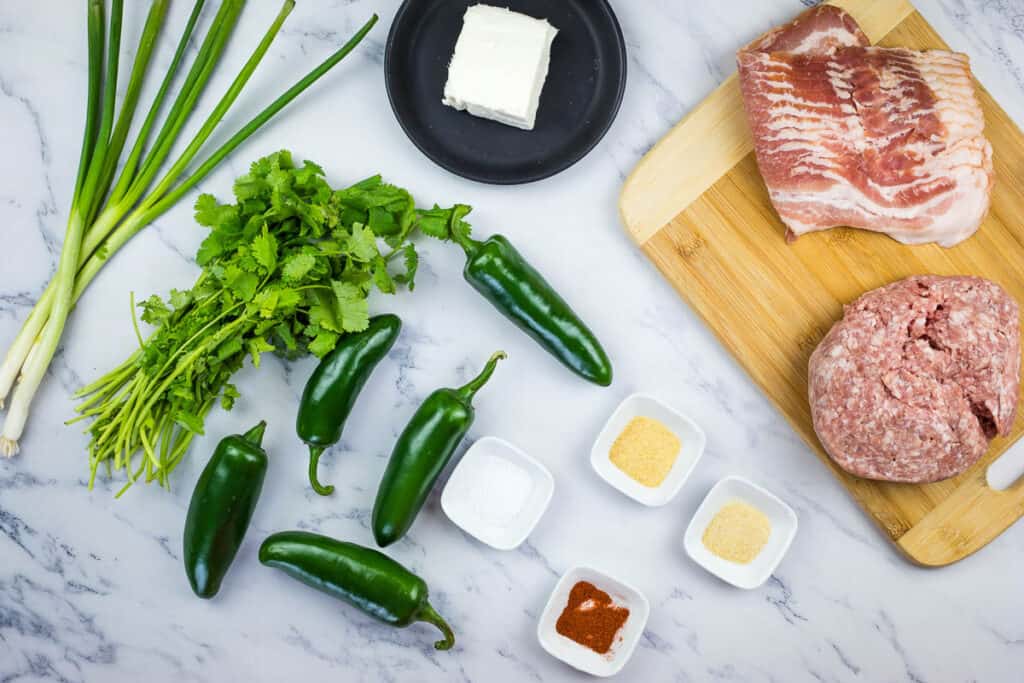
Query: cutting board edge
639,220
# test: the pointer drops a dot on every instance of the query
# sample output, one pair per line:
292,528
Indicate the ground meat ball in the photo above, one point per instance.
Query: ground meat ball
917,377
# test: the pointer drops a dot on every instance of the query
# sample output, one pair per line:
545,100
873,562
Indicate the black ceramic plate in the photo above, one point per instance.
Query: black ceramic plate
577,106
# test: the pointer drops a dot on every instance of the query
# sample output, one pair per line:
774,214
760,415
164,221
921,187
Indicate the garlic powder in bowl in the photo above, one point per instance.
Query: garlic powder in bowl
646,450
738,532
741,532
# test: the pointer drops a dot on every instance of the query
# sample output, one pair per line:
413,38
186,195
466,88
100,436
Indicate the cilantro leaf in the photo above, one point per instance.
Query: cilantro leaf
297,266
266,301
362,244
435,222
352,306
154,310
287,300
323,343
264,249
284,333
412,263
458,226
257,346
382,222
210,249
381,277
206,210
227,398
323,313
179,299
214,215
445,224
190,421
241,283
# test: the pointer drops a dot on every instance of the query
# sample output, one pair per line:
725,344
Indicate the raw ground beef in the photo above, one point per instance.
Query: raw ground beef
917,378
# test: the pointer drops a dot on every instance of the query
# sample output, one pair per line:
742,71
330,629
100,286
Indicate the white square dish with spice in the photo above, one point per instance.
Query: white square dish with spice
572,629
743,522
497,493
647,450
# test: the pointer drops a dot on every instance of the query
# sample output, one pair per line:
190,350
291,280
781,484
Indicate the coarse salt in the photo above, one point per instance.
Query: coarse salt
493,488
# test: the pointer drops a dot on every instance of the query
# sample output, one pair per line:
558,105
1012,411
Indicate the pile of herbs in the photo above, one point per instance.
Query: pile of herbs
286,268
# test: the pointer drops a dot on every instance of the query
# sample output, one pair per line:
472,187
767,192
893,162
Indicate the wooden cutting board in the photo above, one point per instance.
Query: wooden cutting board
697,206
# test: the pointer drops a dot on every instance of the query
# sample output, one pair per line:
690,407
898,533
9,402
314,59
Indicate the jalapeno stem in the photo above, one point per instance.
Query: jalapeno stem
255,435
314,460
468,244
430,615
474,385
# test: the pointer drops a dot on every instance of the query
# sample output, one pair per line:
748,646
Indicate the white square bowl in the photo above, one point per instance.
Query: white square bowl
781,516
505,537
580,656
690,435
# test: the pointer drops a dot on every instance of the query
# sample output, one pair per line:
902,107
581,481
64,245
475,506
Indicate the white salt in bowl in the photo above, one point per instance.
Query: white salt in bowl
580,656
781,516
497,493
690,435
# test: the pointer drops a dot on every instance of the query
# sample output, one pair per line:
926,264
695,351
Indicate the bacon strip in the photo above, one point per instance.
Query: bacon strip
820,29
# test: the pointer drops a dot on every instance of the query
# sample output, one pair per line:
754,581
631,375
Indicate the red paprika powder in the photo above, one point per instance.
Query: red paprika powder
591,618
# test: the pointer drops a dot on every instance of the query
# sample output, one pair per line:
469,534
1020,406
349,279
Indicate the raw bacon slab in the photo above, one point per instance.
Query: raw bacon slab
884,139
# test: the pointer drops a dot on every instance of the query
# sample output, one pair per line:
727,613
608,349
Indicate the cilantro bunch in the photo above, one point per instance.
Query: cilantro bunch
286,268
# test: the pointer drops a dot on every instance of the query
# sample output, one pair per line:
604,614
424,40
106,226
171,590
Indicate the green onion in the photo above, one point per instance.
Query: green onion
102,219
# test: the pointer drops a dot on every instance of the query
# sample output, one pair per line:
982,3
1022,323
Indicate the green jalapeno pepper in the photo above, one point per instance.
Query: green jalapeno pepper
364,578
500,273
333,387
421,453
222,505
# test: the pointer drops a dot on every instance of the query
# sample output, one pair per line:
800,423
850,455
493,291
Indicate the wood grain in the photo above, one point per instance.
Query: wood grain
698,208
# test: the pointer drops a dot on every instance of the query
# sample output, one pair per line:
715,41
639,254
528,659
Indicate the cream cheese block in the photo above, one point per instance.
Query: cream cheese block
500,65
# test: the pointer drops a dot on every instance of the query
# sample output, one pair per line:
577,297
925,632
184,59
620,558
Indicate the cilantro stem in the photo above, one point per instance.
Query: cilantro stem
135,319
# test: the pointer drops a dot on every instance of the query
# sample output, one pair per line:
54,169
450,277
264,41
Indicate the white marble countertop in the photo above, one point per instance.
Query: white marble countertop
92,589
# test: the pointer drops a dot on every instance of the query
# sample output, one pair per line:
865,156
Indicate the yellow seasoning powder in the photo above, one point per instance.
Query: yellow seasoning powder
737,532
645,450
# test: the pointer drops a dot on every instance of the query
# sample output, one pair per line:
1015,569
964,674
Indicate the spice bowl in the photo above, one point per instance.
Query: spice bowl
497,493
783,529
579,656
690,435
